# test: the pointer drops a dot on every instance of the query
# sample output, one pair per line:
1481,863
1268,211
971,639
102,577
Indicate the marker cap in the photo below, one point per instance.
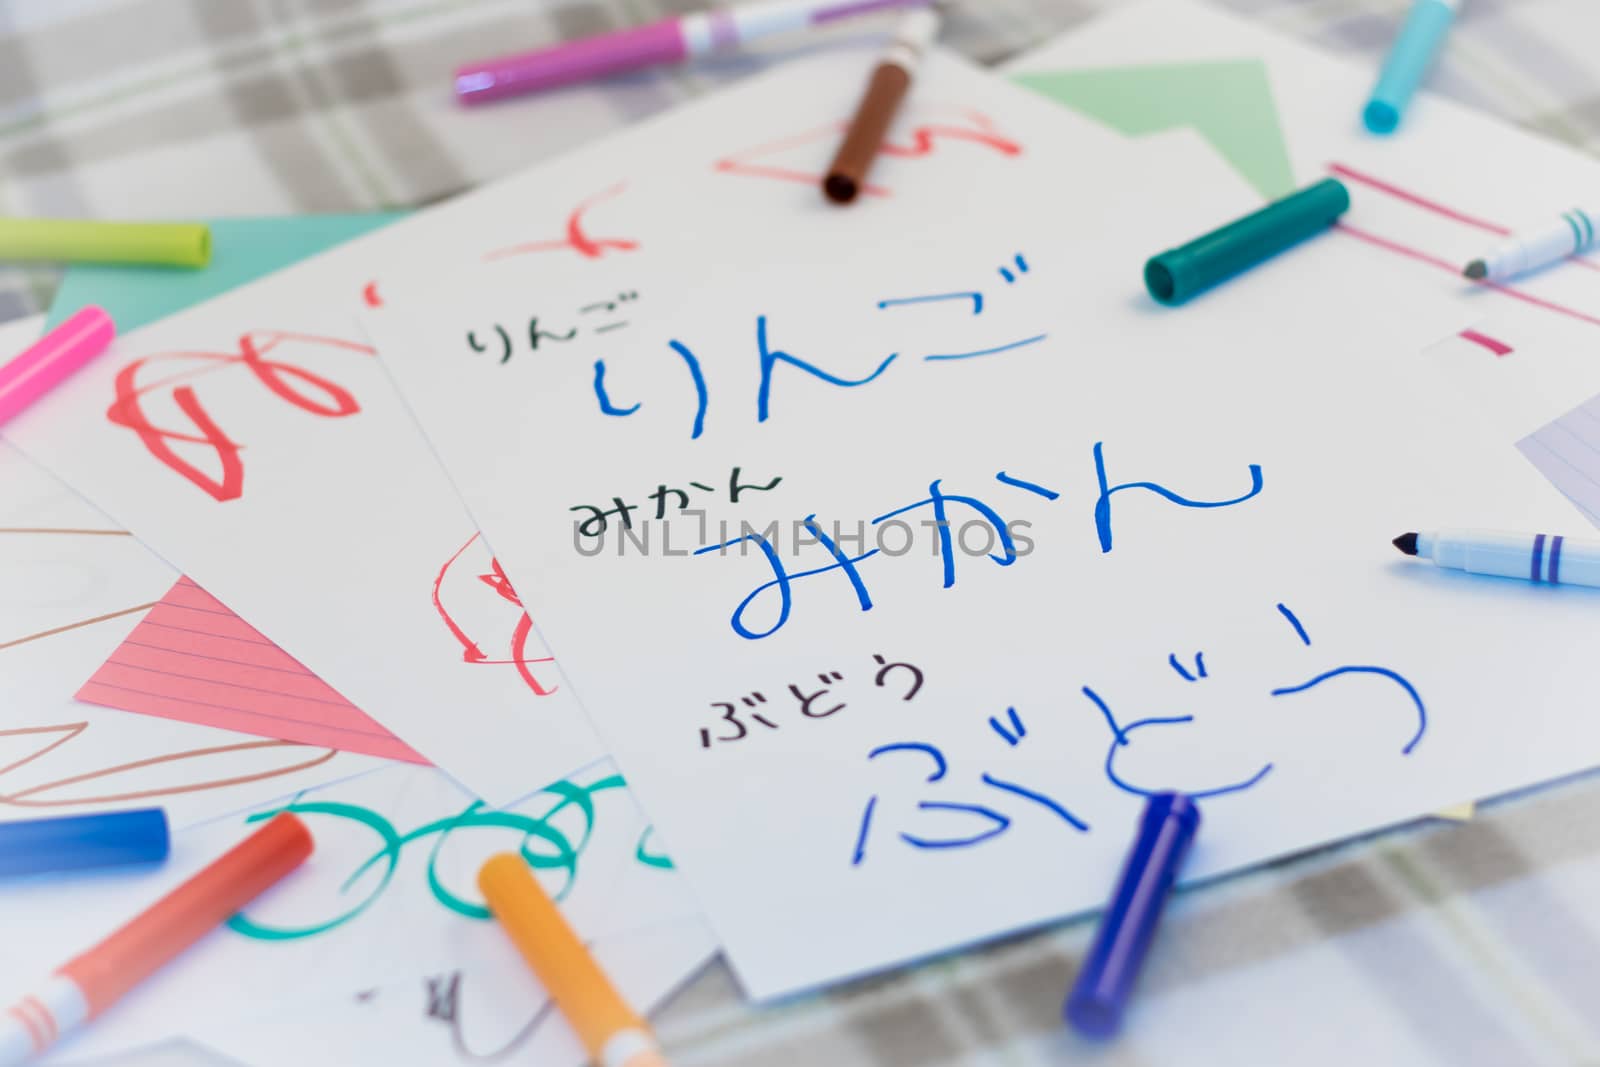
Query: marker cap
1409,59
166,244
82,842
557,956
81,337
185,915
1095,1005
1179,274
573,61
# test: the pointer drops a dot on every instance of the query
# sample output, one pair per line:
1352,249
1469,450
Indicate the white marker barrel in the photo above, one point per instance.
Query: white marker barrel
714,31
1574,232
1545,558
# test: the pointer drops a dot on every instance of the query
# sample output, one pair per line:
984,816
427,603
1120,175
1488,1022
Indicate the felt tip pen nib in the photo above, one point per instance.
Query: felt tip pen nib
1407,543
1477,270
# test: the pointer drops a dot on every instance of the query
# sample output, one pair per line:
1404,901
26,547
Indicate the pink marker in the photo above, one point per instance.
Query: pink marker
53,358
670,40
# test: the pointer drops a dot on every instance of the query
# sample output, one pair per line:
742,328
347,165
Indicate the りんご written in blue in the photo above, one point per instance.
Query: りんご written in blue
773,362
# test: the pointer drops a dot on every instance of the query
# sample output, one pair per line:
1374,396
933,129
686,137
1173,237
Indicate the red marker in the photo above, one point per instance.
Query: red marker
93,981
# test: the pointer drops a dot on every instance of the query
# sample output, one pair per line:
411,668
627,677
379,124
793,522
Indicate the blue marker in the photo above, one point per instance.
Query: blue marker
1531,557
1408,62
1094,1007
81,842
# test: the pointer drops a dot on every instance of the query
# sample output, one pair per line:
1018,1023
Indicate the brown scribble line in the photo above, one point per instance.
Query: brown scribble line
52,530
19,799
75,625
458,1037
68,731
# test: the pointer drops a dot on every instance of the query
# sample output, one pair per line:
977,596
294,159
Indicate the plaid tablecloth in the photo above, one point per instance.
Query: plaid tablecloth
1475,943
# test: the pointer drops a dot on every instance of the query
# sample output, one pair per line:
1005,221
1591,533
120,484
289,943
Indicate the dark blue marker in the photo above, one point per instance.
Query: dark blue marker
81,842
1094,1007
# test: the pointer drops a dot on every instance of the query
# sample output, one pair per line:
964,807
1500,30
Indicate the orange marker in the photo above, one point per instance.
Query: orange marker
91,983
612,1032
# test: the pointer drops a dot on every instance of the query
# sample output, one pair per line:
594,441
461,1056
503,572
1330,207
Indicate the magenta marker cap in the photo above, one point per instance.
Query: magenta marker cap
575,61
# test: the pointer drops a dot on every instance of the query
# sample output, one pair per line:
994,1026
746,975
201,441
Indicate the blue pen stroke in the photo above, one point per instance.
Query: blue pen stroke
996,350
1032,487
1013,735
1183,672
1122,737
701,394
1294,621
987,534
1102,507
936,298
783,581
1381,672
606,406
983,822
771,357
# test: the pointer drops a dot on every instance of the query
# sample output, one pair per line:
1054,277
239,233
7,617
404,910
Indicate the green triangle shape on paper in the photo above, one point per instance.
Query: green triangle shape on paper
1228,103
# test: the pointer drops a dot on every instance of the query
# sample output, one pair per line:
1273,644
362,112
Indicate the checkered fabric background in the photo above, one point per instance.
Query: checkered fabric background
1447,944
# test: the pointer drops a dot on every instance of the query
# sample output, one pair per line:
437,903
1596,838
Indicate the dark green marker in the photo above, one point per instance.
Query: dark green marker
1176,275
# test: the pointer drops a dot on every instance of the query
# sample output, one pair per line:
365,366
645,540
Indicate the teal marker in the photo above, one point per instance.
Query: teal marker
1180,273
1408,62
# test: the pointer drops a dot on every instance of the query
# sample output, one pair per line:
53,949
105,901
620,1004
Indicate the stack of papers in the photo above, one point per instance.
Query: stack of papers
827,586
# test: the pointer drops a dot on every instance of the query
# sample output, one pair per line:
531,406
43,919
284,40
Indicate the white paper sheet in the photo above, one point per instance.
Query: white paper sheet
993,787
1434,194
328,535
72,585
493,1013
389,894
327,526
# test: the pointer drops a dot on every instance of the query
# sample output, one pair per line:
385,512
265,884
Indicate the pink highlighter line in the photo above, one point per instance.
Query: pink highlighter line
669,40
55,356
1499,348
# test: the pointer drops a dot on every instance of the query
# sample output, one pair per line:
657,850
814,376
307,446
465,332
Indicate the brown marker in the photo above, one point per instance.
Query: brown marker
890,80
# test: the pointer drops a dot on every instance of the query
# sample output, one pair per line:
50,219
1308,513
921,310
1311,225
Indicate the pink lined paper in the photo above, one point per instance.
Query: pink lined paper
193,660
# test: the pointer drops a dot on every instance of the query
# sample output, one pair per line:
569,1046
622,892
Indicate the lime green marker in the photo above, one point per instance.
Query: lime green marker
1176,275
175,244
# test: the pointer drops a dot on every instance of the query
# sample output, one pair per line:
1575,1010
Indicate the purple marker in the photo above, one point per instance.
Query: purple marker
1094,1007
670,40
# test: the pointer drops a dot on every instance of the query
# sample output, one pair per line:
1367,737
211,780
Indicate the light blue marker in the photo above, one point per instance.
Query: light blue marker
1408,62
1531,557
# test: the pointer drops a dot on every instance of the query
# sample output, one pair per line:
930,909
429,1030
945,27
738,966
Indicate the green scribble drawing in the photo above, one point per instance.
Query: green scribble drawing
1228,103
243,924
543,845
648,858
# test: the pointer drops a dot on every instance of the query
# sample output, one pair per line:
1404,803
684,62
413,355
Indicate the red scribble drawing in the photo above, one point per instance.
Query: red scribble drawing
1499,348
1460,218
370,297
577,238
471,651
923,141
294,385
